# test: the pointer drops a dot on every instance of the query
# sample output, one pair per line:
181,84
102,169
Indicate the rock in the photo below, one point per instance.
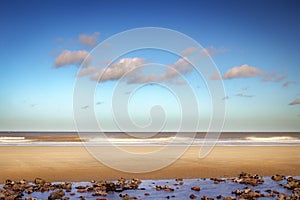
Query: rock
192,196
292,184
110,187
179,179
196,188
9,182
277,177
80,187
54,196
147,194
165,188
229,198
204,198
39,181
246,179
82,197
30,198
81,191
99,193
23,181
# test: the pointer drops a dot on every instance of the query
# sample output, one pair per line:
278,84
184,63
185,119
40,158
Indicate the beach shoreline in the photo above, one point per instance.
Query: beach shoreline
77,164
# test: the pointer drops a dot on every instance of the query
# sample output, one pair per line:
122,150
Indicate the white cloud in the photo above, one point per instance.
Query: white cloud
295,102
86,71
68,57
244,71
116,70
89,40
181,66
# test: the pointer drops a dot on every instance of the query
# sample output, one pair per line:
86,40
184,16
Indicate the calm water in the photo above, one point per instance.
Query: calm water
208,188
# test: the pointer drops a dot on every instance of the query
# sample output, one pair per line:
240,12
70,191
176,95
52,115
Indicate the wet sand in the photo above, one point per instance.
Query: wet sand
76,163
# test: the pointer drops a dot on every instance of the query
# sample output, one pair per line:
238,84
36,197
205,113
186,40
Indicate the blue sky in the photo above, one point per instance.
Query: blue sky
254,44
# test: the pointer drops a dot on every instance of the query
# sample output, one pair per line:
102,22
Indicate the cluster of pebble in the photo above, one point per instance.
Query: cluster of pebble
99,190
14,190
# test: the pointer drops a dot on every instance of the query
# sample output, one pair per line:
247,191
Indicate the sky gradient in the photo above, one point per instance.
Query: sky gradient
254,44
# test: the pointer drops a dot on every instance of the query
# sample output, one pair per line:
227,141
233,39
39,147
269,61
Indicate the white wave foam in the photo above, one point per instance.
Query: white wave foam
280,139
7,139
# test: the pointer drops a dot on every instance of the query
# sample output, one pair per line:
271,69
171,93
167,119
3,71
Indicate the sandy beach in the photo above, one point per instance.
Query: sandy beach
76,164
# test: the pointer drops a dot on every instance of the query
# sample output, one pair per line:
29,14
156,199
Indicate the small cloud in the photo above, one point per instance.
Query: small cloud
216,76
225,98
89,40
118,69
189,50
269,76
244,95
86,71
295,102
244,71
272,76
70,57
85,107
286,84
280,78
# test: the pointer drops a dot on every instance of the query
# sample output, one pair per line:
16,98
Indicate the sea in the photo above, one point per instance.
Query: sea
149,139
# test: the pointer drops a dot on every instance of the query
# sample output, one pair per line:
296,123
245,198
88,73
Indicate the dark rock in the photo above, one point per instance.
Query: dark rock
195,188
39,181
277,177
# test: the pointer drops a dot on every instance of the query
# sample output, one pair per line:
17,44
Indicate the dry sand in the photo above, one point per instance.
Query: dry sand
76,164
